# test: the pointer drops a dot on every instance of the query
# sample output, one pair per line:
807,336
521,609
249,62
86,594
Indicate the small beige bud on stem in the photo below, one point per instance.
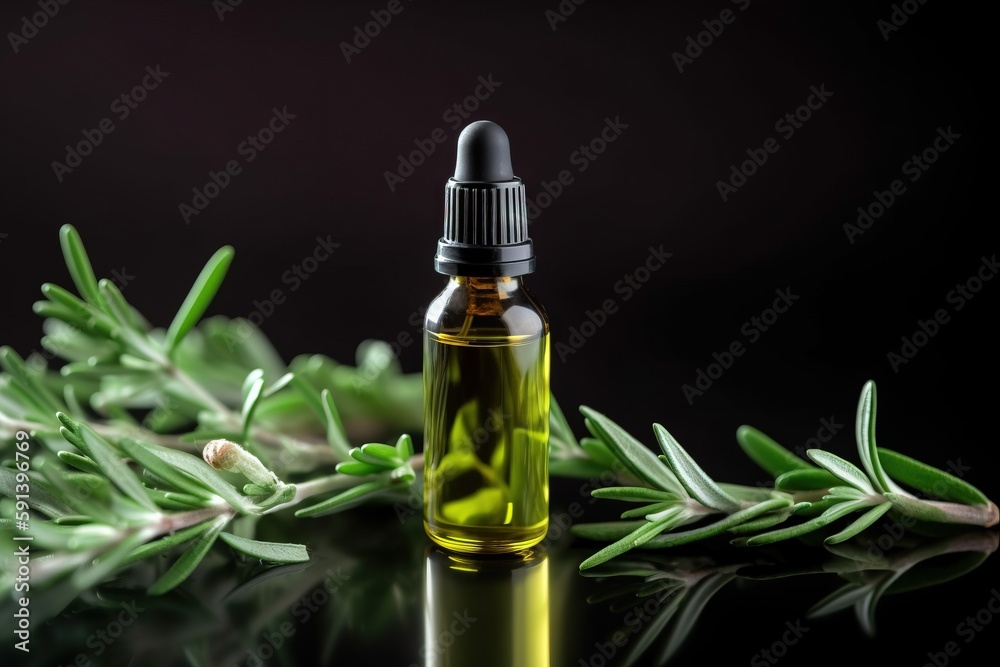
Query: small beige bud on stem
222,454
226,455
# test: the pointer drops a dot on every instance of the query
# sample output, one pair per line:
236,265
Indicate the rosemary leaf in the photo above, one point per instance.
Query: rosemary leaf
843,470
767,453
605,531
642,534
750,494
158,469
358,468
404,447
639,460
69,538
253,387
111,464
92,317
119,307
281,496
163,544
28,381
599,452
79,266
639,494
108,562
864,430
830,515
719,527
578,468
701,487
386,453
189,560
812,479
198,299
335,434
59,312
42,499
561,431
859,524
757,525
79,462
844,493
347,499
645,510
361,456
930,480
278,385
272,552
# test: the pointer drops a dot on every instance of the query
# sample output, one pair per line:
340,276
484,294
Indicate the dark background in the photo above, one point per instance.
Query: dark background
656,184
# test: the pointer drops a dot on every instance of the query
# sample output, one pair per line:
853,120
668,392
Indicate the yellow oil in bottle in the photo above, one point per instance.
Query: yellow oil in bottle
486,441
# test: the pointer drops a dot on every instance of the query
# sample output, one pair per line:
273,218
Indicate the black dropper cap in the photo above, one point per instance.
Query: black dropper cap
485,214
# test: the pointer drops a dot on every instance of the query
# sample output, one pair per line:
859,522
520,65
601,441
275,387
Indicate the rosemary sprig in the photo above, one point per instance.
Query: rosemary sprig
109,489
830,485
195,380
111,515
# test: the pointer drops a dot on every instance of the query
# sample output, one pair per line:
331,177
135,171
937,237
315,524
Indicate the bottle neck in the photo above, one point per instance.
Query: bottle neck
485,304
497,286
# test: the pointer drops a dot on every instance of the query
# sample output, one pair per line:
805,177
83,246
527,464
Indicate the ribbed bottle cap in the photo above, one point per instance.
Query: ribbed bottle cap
485,214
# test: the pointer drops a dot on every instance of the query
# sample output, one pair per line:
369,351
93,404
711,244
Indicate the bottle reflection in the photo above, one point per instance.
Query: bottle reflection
486,611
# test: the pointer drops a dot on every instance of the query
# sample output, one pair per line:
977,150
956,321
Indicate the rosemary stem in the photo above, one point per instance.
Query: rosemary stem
318,486
20,424
170,523
199,392
986,516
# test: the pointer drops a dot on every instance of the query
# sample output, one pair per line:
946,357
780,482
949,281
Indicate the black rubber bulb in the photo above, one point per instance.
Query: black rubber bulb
483,154
485,210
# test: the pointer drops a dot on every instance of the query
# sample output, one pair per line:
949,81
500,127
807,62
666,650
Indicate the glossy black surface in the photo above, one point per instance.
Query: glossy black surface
377,593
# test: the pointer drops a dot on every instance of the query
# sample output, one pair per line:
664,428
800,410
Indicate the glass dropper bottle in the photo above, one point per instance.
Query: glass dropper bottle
486,363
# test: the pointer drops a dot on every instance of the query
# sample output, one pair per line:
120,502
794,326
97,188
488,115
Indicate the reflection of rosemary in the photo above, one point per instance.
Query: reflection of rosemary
677,492
109,488
681,586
